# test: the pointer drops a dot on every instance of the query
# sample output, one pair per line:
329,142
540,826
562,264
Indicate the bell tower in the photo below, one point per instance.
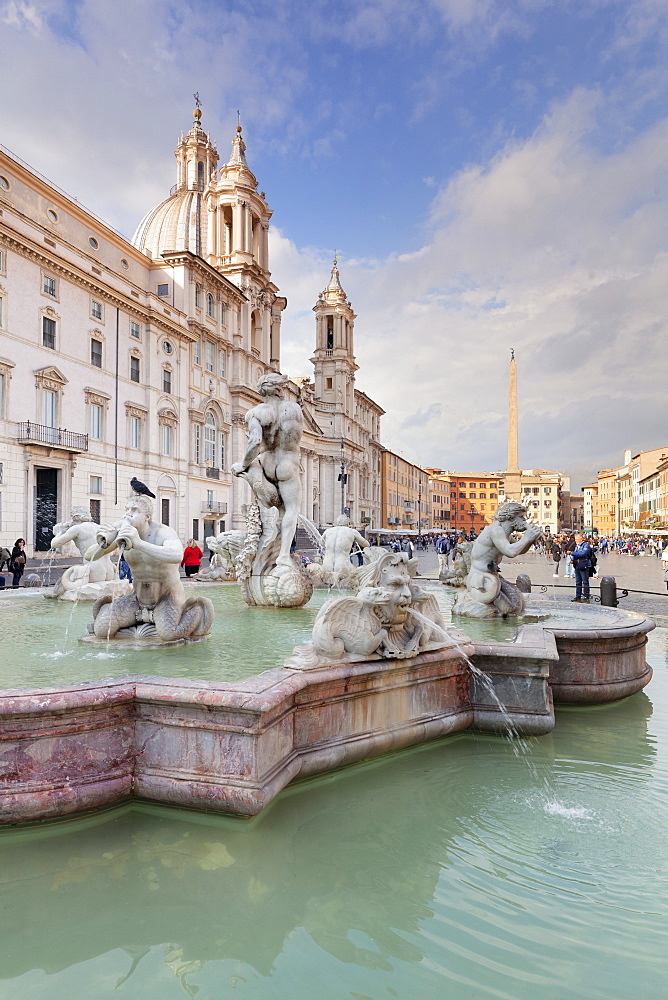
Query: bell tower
333,359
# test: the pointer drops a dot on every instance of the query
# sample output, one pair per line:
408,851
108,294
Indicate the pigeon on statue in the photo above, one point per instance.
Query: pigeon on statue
141,489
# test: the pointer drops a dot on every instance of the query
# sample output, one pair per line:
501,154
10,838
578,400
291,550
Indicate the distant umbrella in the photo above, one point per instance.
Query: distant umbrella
141,489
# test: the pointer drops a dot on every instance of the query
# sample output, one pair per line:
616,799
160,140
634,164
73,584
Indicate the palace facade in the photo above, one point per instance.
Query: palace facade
141,357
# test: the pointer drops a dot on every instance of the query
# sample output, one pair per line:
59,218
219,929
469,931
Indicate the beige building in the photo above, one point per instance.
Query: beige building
122,358
626,496
540,491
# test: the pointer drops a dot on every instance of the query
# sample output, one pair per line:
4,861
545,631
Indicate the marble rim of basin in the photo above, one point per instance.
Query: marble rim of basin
602,663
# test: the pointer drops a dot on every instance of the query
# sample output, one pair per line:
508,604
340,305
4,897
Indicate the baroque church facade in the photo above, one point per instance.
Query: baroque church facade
141,357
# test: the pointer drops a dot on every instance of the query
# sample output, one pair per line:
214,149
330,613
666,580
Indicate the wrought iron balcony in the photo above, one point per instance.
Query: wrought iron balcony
52,437
212,473
214,507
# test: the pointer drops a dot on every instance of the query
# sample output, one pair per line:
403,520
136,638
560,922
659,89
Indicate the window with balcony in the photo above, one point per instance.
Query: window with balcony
49,408
210,432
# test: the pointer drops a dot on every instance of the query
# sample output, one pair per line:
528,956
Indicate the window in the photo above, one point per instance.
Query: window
95,485
166,380
49,285
209,499
93,242
167,347
210,356
492,496
210,308
223,313
2,310
223,364
135,432
197,359
164,511
49,408
96,421
163,290
134,369
167,442
135,330
471,496
482,486
48,332
198,296
198,444
210,430
329,383
96,309
223,445
2,259
330,333
483,496
96,510
548,490
2,473
196,528
96,352
2,397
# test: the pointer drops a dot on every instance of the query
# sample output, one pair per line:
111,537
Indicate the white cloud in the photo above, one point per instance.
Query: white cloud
554,248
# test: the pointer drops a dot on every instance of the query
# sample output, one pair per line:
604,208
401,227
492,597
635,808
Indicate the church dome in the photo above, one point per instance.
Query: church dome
177,223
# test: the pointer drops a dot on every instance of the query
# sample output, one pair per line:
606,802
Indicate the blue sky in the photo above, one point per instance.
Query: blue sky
493,173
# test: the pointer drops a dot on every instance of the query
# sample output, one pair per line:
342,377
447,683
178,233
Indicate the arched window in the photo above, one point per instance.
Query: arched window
210,431
210,307
200,176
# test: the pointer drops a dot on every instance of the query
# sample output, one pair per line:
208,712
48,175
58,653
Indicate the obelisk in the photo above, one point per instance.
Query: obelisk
512,478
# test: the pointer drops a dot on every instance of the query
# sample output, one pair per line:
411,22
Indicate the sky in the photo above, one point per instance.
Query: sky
492,174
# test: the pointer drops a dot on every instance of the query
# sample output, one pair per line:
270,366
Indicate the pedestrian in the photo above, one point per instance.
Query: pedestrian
18,562
5,558
192,557
556,555
570,569
124,571
584,563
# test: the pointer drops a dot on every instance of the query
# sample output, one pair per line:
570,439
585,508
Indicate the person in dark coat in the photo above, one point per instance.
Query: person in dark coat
556,555
18,562
583,561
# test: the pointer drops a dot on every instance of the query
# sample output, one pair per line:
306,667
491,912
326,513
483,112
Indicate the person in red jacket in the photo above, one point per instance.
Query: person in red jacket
192,557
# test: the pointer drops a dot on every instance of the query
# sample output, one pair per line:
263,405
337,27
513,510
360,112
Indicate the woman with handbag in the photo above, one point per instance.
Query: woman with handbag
18,562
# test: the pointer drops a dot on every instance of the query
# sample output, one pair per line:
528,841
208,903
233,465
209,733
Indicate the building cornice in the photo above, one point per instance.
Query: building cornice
28,249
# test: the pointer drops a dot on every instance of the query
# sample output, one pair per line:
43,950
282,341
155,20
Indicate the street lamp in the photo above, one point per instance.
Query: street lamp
419,514
343,479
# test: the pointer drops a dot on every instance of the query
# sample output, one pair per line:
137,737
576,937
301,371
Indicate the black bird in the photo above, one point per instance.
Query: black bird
141,489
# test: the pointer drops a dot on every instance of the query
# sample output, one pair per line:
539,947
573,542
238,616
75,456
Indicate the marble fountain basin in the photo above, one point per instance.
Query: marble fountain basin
199,726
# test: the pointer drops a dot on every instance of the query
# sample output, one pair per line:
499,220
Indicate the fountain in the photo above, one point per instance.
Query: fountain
380,672
268,574
225,548
156,610
336,569
91,580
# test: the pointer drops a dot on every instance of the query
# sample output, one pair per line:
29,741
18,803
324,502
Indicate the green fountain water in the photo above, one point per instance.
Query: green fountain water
472,868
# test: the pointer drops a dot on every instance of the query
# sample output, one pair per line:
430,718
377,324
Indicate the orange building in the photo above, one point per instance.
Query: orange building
474,498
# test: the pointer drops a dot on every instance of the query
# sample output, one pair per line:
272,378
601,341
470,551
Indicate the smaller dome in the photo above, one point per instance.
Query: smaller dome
177,223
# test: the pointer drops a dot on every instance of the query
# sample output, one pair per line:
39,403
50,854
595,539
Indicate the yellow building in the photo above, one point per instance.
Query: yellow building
406,504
